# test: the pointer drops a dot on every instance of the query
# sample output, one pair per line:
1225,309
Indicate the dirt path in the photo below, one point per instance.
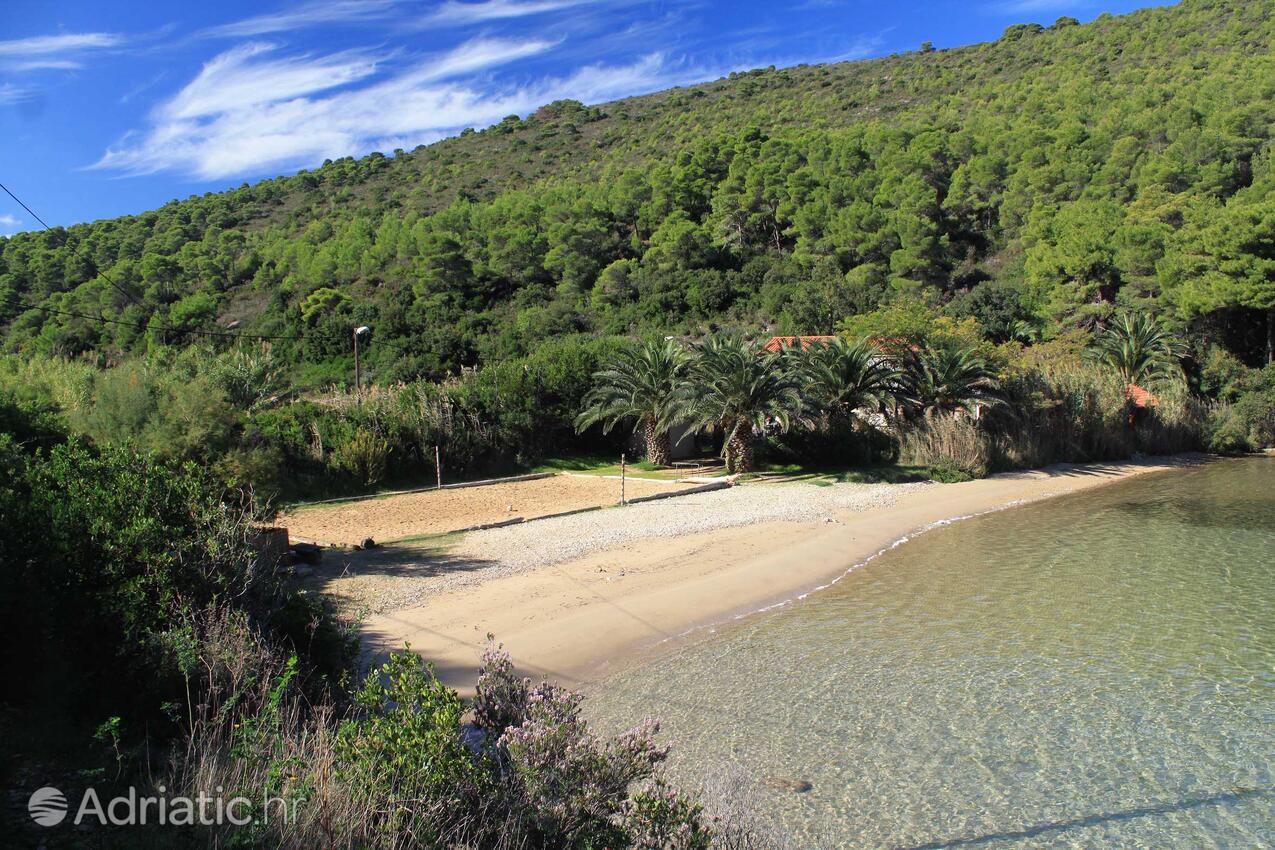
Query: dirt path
389,518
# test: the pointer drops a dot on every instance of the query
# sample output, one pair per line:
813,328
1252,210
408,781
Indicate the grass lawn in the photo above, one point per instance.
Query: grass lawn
824,476
594,464
812,474
606,465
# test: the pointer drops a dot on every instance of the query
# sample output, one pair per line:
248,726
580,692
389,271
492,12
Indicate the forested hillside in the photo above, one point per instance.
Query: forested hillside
1058,246
1035,183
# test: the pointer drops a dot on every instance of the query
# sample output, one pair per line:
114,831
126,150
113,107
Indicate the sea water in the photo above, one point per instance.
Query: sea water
1096,670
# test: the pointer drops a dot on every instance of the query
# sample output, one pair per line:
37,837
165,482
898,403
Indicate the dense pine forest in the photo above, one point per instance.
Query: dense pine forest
1035,183
1013,199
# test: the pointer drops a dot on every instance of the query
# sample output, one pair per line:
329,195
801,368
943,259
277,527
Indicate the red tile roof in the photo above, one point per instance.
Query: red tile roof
778,343
1141,397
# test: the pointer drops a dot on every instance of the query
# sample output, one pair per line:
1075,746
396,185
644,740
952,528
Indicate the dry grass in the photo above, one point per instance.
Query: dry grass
947,440
256,735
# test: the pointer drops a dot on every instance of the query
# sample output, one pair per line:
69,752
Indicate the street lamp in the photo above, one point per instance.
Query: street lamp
358,375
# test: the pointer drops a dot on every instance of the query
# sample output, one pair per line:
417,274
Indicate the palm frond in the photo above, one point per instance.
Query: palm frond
939,381
1137,348
642,384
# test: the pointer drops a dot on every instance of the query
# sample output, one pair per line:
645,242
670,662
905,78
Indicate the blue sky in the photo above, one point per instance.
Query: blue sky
113,108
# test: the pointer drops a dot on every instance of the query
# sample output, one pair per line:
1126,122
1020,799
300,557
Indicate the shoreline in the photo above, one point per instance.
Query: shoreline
582,619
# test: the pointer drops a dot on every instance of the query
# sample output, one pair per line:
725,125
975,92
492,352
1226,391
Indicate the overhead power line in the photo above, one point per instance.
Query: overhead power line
168,328
30,211
131,297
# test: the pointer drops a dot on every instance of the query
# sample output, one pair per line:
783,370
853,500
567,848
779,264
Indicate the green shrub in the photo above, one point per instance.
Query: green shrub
258,468
1230,437
400,768
1255,408
111,554
404,755
175,413
1222,375
946,470
363,456
659,817
249,377
842,444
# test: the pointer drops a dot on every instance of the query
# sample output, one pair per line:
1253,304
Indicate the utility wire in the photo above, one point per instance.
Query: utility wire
25,207
174,330
131,297
395,344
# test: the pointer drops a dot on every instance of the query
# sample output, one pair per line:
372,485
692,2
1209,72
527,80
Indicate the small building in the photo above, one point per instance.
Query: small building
779,343
1140,396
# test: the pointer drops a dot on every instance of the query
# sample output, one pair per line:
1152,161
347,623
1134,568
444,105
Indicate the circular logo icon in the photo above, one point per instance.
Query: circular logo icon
47,807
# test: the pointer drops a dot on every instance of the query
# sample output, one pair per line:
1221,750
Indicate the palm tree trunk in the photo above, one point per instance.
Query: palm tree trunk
739,449
659,449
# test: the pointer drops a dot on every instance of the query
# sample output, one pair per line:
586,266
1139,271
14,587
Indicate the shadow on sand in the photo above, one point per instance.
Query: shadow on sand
1108,468
404,560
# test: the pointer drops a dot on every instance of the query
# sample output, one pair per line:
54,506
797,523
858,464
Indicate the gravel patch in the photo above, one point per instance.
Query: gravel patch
403,576
553,541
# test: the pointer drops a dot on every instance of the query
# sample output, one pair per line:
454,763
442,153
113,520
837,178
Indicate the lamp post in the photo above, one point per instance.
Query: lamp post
358,374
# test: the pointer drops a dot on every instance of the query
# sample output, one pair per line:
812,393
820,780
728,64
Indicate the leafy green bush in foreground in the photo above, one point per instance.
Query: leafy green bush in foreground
134,604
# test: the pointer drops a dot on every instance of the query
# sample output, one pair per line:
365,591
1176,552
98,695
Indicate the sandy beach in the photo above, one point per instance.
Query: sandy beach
574,598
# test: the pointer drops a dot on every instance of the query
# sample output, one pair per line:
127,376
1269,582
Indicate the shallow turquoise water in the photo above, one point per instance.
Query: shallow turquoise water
1093,671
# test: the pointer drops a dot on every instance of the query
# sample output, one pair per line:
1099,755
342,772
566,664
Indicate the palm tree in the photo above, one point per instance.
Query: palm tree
841,377
939,381
1137,348
642,383
734,387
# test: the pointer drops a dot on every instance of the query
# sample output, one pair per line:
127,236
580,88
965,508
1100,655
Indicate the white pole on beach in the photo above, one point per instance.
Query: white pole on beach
358,373
622,479
438,468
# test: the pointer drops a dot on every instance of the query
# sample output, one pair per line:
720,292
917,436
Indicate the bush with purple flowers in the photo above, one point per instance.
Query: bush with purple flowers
570,787
528,772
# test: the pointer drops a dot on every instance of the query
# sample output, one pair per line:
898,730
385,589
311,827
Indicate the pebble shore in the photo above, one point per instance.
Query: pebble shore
395,578
553,541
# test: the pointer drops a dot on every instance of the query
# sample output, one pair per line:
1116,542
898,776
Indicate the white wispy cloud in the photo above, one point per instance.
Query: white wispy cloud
44,65
199,133
246,112
9,224
312,14
456,12
142,87
10,93
237,80
63,52
44,45
260,107
861,48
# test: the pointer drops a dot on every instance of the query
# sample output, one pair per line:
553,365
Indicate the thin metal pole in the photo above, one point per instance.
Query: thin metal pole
438,467
357,374
622,466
